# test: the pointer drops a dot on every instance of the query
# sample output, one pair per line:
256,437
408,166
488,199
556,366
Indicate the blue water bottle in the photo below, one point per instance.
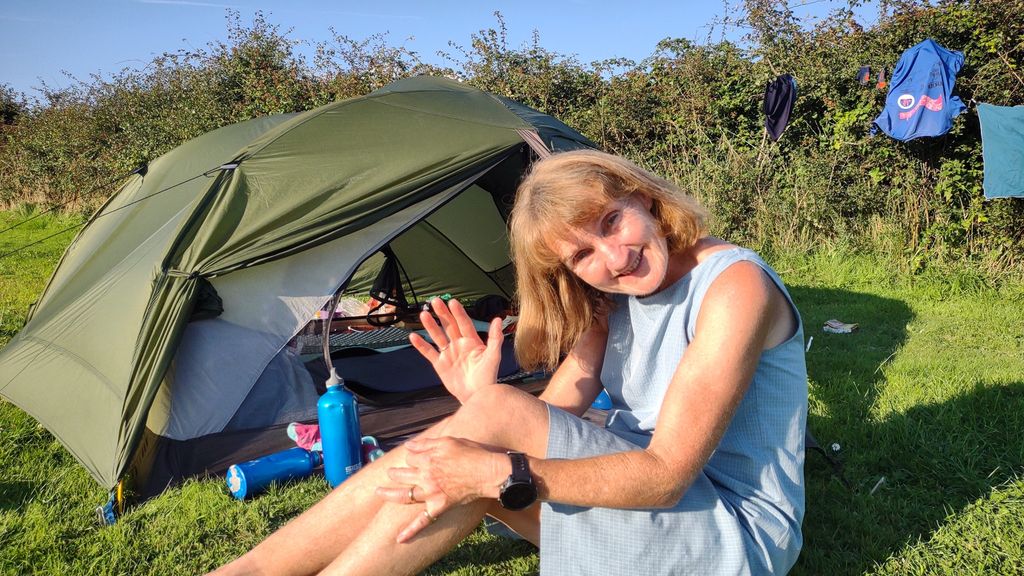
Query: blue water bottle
249,478
339,431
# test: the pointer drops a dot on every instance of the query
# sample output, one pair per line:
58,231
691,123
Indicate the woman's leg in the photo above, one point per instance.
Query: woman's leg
525,523
497,415
354,531
312,540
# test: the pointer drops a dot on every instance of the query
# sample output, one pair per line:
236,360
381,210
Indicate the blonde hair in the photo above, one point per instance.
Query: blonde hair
566,191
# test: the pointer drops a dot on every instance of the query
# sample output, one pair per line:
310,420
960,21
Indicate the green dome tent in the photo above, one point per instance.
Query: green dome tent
124,357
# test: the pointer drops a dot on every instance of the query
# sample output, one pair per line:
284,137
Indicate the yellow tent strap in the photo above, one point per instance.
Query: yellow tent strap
119,498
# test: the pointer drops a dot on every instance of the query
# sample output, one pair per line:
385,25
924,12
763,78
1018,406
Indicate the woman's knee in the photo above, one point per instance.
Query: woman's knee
493,412
499,402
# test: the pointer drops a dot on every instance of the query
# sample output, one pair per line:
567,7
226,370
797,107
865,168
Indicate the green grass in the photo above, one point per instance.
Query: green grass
928,394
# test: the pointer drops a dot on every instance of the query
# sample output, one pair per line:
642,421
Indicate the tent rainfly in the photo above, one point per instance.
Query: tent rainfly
124,357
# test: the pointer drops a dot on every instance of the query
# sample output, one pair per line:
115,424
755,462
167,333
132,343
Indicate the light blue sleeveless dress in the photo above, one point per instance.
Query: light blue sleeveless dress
742,513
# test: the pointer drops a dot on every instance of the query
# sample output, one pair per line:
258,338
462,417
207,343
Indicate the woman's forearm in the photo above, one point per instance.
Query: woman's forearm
633,479
577,382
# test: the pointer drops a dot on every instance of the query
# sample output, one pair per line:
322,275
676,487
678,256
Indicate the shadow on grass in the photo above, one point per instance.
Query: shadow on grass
14,494
936,458
482,554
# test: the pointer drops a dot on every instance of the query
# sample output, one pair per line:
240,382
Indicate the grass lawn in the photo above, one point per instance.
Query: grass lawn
926,401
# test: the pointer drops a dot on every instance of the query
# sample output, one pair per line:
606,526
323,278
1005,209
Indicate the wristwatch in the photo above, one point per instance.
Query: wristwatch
518,491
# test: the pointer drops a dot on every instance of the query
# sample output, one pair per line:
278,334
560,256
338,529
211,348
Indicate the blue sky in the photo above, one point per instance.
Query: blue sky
40,38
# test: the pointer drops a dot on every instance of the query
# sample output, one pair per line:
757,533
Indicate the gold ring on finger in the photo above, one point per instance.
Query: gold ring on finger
430,517
412,498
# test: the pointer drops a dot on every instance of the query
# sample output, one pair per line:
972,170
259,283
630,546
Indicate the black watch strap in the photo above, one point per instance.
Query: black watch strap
520,469
518,492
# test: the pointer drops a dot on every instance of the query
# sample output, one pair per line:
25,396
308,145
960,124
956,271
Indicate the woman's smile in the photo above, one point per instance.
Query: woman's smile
634,264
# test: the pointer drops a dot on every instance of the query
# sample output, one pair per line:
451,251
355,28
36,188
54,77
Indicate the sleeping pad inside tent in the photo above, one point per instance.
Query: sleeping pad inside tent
173,337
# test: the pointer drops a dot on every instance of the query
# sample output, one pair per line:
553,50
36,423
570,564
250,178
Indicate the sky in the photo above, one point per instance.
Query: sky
42,39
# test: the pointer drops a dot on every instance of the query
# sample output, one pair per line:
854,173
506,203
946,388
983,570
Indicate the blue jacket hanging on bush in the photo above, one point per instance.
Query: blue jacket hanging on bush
920,101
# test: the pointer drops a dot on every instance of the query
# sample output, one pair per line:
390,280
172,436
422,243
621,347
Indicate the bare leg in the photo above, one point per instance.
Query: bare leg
526,523
500,416
311,541
358,530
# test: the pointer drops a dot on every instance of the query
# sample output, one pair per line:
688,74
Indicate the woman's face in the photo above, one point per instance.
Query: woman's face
621,252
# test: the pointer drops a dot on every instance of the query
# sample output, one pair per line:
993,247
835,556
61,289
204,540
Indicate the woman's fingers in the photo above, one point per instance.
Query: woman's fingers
421,521
441,472
455,323
399,494
451,327
423,444
412,488
436,332
407,476
495,336
420,458
461,319
430,509
423,347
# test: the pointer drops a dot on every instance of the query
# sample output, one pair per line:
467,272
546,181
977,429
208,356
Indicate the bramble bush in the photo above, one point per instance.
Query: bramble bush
692,112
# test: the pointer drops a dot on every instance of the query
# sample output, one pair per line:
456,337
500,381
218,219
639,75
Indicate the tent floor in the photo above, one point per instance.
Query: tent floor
391,425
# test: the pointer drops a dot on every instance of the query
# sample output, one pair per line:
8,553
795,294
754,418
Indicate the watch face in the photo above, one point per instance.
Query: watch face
518,495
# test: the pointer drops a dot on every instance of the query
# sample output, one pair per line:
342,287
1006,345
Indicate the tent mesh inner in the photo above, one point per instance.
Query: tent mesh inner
380,338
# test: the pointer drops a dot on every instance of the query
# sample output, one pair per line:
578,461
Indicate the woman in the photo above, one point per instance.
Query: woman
700,467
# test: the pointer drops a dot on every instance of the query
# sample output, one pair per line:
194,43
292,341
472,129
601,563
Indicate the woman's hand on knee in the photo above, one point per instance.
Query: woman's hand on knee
461,359
442,473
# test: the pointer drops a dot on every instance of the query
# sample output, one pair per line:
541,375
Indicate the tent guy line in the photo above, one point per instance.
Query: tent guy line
76,196
140,170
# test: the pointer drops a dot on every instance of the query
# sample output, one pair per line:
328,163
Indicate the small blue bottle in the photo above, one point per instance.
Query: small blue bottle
250,478
339,431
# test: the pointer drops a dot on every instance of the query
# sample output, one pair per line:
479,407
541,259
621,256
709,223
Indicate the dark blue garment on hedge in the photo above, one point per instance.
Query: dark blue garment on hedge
920,100
1002,150
779,97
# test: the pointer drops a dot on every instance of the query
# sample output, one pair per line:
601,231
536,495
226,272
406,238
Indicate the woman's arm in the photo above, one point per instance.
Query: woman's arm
577,381
742,314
